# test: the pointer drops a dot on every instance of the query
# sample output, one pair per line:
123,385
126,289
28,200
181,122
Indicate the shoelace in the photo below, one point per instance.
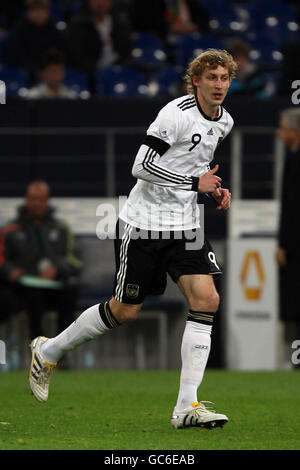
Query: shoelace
203,408
206,407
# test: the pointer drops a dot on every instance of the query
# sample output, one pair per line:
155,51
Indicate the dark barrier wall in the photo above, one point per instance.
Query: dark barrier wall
125,112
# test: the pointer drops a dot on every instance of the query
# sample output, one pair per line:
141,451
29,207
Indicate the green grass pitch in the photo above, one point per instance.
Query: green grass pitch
130,410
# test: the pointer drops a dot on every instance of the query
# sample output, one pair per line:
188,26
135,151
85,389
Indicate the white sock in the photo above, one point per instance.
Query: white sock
86,327
195,349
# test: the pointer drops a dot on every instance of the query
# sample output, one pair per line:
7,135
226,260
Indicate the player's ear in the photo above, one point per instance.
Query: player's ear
195,80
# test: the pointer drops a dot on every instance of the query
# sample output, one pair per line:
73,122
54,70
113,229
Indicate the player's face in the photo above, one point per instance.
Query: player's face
212,86
100,7
38,15
37,199
54,75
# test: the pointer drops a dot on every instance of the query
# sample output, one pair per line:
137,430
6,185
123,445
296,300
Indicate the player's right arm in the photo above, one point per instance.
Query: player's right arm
164,132
147,167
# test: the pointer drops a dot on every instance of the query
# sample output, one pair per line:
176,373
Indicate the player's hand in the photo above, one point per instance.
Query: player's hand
15,274
280,256
50,272
223,197
209,182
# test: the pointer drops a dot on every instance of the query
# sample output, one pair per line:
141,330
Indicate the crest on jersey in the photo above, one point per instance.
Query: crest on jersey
132,290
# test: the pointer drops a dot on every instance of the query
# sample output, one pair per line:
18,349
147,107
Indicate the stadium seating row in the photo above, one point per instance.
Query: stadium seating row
273,18
152,75
120,81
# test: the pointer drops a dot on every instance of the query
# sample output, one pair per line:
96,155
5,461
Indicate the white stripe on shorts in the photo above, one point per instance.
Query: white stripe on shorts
123,262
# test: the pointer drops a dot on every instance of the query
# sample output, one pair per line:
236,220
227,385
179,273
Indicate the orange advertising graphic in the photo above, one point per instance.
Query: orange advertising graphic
252,259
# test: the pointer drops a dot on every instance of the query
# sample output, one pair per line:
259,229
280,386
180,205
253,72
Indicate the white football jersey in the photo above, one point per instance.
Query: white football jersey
178,149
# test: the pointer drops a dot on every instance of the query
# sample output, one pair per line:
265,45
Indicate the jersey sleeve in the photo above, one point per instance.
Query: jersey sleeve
164,132
166,126
229,124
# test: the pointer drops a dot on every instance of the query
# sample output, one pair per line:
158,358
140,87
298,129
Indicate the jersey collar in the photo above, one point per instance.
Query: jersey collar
205,115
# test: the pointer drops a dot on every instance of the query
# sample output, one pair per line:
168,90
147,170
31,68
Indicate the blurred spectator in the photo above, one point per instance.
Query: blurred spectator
248,80
186,16
32,37
38,268
149,16
98,36
288,251
169,17
295,4
10,13
52,73
290,67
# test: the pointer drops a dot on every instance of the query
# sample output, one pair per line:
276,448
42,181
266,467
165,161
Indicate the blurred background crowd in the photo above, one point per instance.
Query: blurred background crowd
84,48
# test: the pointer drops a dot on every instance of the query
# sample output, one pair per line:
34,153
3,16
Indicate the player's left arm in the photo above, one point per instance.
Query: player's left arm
162,134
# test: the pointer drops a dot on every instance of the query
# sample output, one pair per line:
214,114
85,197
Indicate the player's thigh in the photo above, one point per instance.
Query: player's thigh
200,292
139,269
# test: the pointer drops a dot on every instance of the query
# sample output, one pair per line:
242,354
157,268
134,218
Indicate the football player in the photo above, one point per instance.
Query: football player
172,167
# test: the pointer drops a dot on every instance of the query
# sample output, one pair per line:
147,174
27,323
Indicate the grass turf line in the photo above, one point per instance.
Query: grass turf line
130,410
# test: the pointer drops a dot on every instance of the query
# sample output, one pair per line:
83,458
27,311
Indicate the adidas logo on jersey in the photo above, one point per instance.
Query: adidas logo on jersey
210,132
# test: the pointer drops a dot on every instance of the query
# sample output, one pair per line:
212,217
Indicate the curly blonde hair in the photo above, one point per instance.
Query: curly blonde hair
211,58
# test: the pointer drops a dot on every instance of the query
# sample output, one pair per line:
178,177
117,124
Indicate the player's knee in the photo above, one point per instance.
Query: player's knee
210,302
129,313
124,313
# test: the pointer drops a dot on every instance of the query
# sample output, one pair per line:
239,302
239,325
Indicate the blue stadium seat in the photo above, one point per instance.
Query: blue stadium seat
75,7
148,50
280,31
76,80
120,81
224,16
15,80
264,50
166,81
261,9
57,12
3,41
189,46
275,20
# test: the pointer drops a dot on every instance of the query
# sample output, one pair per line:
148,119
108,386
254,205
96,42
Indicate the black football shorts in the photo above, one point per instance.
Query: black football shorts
142,262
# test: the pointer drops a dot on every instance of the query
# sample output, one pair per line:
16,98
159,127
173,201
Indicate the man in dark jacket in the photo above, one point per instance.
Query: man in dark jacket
38,268
98,36
288,251
169,17
32,37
